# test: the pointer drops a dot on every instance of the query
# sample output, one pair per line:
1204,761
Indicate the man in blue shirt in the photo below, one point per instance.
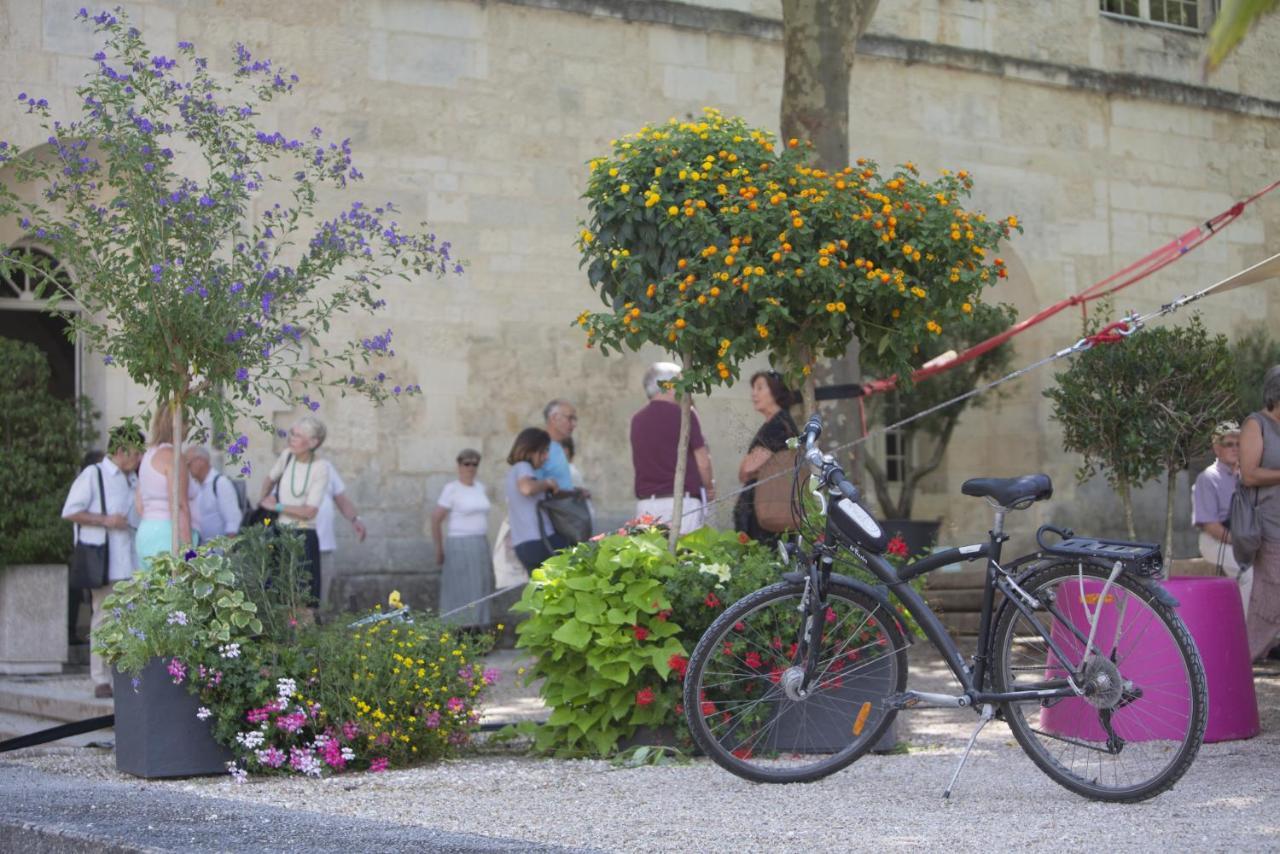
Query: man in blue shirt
561,420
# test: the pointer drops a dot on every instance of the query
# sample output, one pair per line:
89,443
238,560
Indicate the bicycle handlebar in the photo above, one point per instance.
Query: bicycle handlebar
826,468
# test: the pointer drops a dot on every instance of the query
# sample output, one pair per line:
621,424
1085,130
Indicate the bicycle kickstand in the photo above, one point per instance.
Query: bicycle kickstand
988,712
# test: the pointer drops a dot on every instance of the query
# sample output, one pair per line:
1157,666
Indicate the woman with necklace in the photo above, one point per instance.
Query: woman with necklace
295,488
771,398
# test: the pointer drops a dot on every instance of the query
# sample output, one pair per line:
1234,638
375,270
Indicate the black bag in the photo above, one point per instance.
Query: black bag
90,564
258,515
1245,525
569,514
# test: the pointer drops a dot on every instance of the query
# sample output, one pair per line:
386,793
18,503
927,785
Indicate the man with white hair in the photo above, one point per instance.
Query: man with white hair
1211,506
217,510
655,437
562,419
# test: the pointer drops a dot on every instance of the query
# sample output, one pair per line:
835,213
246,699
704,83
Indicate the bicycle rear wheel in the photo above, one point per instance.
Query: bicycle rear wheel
1141,720
736,695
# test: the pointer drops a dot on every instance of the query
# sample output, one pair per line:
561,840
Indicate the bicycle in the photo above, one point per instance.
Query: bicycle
1079,651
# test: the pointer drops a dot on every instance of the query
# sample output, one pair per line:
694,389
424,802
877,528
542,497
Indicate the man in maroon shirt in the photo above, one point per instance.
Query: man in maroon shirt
655,435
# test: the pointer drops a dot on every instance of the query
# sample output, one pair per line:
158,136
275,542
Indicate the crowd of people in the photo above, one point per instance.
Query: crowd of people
121,501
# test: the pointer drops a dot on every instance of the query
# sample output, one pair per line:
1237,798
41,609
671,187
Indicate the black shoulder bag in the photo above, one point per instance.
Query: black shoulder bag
259,515
90,563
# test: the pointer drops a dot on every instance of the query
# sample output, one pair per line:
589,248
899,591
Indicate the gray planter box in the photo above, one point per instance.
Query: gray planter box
825,727
157,731
33,618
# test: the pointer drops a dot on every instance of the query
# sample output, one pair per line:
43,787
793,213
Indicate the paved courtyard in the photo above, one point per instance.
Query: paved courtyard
501,800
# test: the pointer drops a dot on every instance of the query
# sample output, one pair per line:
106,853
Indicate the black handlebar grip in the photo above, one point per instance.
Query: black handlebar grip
813,429
848,490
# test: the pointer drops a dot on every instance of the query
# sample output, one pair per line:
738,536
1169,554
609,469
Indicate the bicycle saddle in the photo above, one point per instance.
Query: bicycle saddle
1010,491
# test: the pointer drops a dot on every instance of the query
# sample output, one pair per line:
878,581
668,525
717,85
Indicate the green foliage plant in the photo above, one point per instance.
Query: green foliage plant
612,623
150,195
1142,407
983,321
1253,351
42,439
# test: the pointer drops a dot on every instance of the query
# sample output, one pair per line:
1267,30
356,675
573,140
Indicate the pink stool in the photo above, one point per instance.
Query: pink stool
1214,616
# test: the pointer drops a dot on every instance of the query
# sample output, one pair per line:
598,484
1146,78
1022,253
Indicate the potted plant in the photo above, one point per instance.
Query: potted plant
42,439
612,623
913,462
219,668
1252,352
1139,408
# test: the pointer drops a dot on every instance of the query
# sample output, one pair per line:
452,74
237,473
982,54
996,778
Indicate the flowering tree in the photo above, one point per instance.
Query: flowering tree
708,241
148,199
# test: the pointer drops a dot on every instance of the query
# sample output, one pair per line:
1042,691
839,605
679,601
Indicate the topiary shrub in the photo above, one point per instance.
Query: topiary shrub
42,440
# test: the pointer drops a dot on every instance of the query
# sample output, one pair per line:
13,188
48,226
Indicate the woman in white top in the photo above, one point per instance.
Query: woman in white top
295,489
466,567
155,480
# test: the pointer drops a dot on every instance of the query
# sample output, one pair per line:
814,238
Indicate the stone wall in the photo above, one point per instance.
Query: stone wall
479,117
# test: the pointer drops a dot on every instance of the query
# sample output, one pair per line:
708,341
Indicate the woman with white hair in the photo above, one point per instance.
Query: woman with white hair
295,488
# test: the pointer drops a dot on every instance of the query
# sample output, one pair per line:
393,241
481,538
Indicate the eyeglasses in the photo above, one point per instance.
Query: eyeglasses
469,463
1230,444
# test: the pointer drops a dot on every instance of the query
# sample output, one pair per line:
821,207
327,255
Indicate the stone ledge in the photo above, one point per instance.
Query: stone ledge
913,51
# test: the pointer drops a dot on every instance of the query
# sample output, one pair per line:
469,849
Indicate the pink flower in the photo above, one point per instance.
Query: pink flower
491,675
272,757
379,764
293,722
433,720
177,670
333,754
350,730
455,704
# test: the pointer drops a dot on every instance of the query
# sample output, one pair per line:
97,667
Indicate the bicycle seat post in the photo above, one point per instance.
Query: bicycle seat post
997,526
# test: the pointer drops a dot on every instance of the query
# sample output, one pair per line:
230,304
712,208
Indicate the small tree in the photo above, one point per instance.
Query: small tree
42,439
148,198
1143,406
1252,353
710,243
985,322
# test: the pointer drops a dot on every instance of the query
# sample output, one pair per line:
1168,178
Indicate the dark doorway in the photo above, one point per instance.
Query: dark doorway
22,320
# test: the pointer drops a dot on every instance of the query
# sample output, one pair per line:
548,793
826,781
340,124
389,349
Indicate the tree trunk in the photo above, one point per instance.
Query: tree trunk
809,389
179,477
1126,501
1170,492
819,40
682,462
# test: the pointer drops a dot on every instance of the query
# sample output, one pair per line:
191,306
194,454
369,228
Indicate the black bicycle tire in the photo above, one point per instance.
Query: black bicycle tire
1027,739
711,640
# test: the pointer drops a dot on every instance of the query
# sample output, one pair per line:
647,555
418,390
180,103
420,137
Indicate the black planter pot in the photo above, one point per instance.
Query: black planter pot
824,727
157,731
920,536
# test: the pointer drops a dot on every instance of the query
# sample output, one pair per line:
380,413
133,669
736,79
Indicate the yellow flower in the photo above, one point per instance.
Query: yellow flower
966,308
625,188
394,599
587,236
673,211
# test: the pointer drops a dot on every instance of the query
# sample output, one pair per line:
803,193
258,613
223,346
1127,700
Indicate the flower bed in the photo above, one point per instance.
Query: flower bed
612,623
286,695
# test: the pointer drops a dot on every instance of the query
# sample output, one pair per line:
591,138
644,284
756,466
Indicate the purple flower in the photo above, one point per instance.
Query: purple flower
266,302
246,469
185,46
177,670
242,374
189,554
206,201
108,360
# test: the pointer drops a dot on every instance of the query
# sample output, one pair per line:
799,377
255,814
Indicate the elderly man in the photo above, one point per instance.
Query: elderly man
655,437
217,511
561,420
1211,506
99,504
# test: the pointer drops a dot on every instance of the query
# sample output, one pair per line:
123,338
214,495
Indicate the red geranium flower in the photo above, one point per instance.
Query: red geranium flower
753,660
678,663
743,538
663,615
640,632
711,601
897,547
739,626
708,709
644,697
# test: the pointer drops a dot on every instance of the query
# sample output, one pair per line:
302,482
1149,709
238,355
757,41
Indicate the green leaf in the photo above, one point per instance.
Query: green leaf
574,633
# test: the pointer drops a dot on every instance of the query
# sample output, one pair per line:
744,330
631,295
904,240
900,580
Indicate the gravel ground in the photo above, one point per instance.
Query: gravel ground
1227,801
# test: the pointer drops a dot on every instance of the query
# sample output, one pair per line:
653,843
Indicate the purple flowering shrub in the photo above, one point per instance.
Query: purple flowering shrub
202,261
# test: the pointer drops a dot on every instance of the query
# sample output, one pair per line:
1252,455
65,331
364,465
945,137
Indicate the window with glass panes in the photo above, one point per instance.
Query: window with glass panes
1184,14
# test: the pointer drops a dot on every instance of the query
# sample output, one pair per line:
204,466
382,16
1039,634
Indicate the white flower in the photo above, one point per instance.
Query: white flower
719,570
229,650
237,773
203,713
250,740
348,754
286,688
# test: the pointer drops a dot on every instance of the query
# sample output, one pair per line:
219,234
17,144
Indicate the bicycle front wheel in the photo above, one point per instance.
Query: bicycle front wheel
742,694
1139,723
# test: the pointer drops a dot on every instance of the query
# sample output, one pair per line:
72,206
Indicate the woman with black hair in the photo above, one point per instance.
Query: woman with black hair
772,399
524,489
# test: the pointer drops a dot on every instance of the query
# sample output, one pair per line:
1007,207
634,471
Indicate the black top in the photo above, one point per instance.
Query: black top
773,435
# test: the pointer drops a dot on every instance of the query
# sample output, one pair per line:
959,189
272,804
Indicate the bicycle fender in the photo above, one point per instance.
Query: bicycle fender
876,592
1158,591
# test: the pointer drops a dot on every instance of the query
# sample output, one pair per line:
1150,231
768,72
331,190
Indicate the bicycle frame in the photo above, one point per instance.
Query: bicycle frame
973,679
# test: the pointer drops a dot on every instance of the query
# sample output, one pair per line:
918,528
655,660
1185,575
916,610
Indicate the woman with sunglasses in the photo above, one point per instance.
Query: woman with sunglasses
466,568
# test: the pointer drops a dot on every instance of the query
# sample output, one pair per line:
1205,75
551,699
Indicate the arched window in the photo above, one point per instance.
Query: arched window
23,318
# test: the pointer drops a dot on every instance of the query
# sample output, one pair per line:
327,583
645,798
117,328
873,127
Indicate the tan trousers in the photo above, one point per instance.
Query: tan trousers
98,669
1219,554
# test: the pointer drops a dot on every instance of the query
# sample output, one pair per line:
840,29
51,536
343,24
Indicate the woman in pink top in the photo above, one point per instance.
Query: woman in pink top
155,480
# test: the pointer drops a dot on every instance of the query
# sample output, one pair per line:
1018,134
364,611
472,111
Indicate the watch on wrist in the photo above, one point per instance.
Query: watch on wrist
279,506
